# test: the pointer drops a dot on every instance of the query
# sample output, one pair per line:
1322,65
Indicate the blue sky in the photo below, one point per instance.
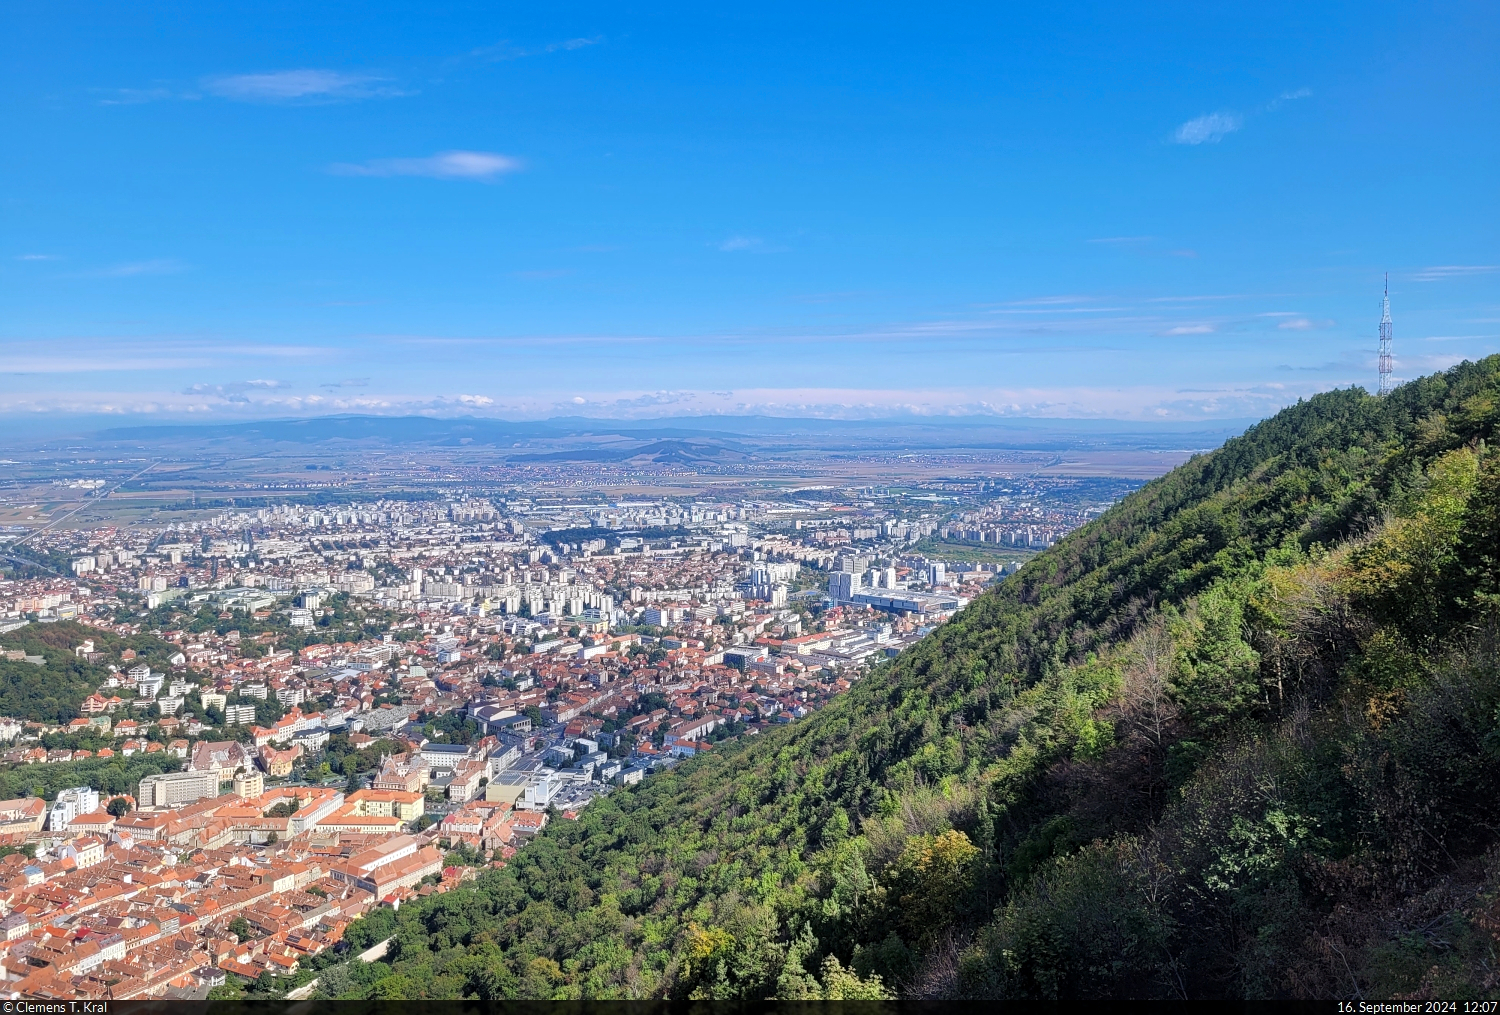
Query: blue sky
1110,210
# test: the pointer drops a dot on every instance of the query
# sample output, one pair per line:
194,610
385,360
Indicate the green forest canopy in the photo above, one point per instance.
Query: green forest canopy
53,691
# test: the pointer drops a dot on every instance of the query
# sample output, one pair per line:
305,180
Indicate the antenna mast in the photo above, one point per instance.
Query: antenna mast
1385,339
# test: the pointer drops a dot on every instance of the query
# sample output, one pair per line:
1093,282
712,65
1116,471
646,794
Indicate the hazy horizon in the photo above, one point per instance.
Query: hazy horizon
27,430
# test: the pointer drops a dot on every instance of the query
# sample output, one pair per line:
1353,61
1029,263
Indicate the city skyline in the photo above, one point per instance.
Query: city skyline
1099,213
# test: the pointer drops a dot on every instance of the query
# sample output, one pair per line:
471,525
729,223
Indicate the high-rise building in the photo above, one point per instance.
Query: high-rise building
70,803
174,788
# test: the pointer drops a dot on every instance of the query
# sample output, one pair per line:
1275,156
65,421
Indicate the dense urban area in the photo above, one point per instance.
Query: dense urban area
232,742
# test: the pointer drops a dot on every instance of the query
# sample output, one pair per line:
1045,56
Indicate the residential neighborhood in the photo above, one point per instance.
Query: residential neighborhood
333,710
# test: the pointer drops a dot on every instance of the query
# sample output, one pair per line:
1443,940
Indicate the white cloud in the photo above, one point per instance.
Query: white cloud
236,391
1190,329
38,257
1439,272
1296,324
236,387
1138,402
294,85
1210,128
1133,402
451,165
243,399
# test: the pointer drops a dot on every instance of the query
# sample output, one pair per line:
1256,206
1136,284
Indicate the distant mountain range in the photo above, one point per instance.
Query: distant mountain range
719,438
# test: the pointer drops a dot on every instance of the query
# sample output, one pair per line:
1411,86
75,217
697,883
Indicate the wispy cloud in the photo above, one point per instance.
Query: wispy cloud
299,85
235,400
38,257
96,361
484,167
1211,128
1208,129
507,50
1440,272
1297,322
571,44
84,354
1045,326
1122,401
543,274
1288,96
739,243
832,297
236,391
139,96
1328,366
159,266
1142,246
1131,402
1196,299
1430,363
351,382
1051,301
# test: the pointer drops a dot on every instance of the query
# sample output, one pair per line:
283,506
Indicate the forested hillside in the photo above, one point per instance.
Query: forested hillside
51,692
1240,737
